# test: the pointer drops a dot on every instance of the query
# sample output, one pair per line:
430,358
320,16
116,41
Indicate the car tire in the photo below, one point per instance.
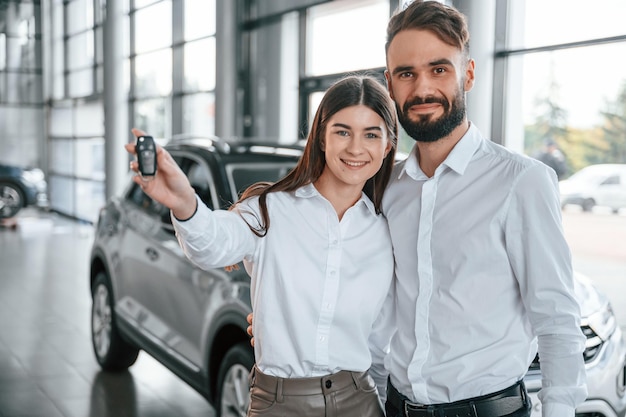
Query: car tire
588,204
112,352
11,200
232,381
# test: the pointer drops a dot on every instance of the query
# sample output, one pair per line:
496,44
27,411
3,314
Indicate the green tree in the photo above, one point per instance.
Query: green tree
550,124
614,128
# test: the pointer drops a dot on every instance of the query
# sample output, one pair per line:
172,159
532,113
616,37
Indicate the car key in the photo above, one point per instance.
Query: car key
146,156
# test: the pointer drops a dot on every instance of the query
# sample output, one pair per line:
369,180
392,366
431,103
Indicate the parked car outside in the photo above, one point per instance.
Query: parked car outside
596,185
605,357
148,296
19,188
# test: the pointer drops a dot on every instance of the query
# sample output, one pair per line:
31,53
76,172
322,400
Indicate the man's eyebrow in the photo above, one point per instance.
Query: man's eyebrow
442,61
403,68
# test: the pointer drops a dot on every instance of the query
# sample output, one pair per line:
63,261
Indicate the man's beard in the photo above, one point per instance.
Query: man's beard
427,130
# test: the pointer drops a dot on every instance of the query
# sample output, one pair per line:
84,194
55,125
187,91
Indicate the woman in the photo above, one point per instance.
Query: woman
318,253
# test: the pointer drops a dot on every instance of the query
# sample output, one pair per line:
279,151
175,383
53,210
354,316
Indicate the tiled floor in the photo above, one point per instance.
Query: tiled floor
47,367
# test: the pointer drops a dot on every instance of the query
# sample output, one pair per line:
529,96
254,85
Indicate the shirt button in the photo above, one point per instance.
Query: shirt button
322,338
329,383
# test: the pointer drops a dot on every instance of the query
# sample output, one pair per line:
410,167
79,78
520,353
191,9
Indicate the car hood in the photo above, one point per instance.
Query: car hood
588,296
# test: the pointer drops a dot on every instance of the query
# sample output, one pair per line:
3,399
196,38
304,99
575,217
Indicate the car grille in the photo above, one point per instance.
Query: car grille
592,347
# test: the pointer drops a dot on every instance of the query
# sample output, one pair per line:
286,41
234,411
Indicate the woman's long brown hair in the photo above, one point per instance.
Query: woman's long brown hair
349,91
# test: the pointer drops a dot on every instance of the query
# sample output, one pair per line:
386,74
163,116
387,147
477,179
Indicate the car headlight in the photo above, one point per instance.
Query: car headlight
33,176
598,328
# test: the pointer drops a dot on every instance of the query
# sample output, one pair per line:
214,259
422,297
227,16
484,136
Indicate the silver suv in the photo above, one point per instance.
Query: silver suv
605,357
147,296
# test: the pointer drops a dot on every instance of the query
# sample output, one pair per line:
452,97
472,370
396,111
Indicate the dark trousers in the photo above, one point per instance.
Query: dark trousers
392,411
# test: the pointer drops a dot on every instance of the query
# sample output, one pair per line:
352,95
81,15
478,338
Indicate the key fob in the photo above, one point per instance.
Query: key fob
146,155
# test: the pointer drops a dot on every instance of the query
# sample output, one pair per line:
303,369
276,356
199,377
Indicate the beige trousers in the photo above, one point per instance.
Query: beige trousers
344,394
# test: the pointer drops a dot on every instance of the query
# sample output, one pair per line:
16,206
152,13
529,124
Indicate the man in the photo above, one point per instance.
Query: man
483,271
552,156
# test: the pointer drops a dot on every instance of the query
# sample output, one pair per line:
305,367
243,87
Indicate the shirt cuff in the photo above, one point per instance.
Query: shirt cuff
195,225
557,409
192,214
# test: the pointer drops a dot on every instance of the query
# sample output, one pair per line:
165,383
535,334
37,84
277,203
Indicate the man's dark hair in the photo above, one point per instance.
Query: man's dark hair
446,22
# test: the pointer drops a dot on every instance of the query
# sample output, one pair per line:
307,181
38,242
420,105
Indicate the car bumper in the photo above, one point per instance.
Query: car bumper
605,383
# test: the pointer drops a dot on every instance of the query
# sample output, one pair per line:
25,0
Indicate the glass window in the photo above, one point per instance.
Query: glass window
90,160
79,16
80,53
3,51
62,195
562,21
551,104
22,88
199,18
89,120
143,3
89,199
61,121
80,83
154,116
153,74
346,35
153,27
62,157
199,114
200,65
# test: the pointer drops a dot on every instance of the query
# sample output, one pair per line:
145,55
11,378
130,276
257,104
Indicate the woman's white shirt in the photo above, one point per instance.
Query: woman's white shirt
318,285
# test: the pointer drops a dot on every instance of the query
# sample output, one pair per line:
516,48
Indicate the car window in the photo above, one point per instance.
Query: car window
199,176
241,176
612,180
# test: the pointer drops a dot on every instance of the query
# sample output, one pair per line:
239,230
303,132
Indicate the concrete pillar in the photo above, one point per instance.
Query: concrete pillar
481,15
226,103
116,129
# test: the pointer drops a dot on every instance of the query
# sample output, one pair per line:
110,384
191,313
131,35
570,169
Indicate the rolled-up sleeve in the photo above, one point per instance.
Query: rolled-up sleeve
541,261
214,239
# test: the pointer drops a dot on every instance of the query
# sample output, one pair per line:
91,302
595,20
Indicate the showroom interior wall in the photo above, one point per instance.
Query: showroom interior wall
21,96
89,94
73,82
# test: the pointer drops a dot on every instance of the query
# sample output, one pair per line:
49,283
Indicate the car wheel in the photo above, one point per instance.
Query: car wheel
588,204
232,381
112,352
11,200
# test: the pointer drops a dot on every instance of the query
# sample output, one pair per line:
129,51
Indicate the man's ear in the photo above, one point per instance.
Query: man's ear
388,79
469,75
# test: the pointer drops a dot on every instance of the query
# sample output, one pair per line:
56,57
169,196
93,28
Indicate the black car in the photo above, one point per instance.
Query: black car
19,188
148,296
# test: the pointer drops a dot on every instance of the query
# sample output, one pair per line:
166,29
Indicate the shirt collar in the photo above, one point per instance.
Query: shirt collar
309,190
458,159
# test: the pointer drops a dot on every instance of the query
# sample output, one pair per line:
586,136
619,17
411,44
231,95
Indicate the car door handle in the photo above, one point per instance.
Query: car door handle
153,255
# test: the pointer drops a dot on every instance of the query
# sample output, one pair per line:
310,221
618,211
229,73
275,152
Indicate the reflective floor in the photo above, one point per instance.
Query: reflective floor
47,368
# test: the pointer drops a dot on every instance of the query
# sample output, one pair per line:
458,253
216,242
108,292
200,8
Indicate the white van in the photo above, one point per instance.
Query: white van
596,185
